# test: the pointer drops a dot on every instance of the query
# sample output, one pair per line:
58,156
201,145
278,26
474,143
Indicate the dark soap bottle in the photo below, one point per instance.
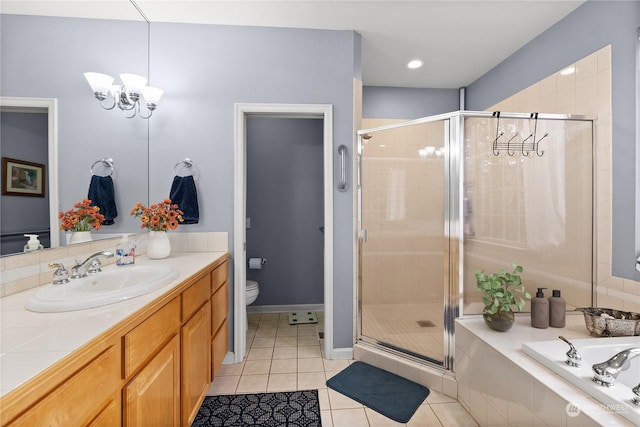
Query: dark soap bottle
557,310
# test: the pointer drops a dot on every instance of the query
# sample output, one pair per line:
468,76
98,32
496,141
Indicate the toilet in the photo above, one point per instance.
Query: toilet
251,293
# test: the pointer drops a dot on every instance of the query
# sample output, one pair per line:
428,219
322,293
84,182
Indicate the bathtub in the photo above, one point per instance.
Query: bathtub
552,354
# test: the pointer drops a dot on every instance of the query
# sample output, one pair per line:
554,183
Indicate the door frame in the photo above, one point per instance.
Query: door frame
295,111
50,106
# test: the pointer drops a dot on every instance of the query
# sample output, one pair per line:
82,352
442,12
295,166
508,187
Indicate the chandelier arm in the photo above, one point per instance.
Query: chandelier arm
108,108
144,117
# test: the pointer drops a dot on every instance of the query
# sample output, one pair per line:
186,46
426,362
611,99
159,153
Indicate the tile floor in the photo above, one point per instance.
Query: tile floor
282,357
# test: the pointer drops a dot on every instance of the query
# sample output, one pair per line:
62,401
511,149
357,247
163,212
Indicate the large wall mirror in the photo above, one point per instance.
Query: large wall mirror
44,58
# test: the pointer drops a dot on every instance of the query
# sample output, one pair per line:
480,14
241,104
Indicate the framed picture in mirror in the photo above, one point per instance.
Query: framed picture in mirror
22,178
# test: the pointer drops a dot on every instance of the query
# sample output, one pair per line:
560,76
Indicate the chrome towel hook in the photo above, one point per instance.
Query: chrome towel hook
342,185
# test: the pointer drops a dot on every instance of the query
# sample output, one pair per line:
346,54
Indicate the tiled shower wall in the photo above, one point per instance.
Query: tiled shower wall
587,91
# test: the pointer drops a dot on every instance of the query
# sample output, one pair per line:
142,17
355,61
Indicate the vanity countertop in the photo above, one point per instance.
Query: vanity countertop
31,342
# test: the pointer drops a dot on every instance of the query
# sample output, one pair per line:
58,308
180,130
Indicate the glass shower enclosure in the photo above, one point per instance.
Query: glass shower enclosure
443,196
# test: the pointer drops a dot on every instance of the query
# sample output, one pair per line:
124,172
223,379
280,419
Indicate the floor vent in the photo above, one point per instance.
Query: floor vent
426,323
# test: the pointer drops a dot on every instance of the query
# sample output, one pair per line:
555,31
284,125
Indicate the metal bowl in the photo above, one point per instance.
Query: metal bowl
607,322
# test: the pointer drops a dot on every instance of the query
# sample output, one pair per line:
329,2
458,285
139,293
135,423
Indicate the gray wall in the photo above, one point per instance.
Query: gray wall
206,69
285,202
23,136
589,28
407,103
45,57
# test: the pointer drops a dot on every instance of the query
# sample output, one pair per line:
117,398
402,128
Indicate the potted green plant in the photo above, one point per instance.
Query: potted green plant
500,292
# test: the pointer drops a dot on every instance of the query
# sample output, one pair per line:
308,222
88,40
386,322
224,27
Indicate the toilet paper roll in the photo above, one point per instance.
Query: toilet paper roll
256,263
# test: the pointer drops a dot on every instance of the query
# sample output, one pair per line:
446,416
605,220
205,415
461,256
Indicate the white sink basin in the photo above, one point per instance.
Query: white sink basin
113,284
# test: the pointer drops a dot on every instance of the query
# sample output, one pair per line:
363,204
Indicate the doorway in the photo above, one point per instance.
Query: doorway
294,111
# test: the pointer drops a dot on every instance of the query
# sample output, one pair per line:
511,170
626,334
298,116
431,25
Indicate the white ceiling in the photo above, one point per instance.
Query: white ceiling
458,41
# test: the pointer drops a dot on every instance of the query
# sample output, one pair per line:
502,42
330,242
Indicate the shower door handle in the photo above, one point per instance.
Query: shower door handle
363,235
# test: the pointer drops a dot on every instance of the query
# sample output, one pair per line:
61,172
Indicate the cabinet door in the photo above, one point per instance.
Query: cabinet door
80,398
219,348
152,398
196,362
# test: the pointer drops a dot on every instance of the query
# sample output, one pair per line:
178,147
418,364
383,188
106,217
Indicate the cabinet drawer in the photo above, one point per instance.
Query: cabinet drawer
195,296
219,276
219,308
146,338
80,398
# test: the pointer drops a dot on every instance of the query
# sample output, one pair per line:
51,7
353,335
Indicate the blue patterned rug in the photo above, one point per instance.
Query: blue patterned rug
290,409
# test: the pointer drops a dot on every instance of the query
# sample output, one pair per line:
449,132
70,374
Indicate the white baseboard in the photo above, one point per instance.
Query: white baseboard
345,353
284,308
229,358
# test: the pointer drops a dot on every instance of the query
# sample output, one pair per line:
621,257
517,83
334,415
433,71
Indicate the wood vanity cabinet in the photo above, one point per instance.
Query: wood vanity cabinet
152,369
219,312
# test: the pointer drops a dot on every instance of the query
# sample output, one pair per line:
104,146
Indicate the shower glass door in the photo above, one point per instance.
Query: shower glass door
404,253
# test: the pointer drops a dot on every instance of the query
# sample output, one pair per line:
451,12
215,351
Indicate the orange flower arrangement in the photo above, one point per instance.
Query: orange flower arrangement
83,217
161,216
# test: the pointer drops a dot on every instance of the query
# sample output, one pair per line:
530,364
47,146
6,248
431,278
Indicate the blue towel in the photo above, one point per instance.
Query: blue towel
102,195
183,193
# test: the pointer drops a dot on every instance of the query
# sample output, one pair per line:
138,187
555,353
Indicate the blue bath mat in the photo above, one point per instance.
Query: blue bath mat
389,394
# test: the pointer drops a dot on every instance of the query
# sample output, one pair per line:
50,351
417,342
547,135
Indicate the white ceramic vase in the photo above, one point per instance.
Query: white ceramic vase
158,246
80,237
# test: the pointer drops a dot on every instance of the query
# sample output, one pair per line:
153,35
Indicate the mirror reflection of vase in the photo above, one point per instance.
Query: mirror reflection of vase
158,246
80,237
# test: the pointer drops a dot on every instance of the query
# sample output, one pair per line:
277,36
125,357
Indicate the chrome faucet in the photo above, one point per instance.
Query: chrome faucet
573,357
90,265
607,372
636,399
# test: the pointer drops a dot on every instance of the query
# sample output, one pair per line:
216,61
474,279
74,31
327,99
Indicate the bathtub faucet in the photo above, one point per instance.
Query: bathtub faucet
573,357
607,372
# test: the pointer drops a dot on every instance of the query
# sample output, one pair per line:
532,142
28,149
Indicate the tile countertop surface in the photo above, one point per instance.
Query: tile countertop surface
510,343
30,342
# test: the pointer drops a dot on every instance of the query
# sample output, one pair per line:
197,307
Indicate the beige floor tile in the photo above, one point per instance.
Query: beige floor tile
340,401
256,367
378,420
453,415
323,399
263,342
436,397
311,380
285,353
286,341
282,382
284,366
325,417
252,384
224,385
349,418
304,340
266,332
230,369
260,353
287,331
309,351
424,417
312,364
335,365
310,329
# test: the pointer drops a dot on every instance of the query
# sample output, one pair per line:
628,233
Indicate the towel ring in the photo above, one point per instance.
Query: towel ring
186,163
108,162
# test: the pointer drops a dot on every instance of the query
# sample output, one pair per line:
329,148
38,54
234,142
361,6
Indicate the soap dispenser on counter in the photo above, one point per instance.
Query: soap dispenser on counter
540,310
33,244
126,251
557,310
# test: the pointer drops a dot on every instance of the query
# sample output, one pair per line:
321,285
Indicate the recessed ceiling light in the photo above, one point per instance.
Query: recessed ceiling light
416,63
567,71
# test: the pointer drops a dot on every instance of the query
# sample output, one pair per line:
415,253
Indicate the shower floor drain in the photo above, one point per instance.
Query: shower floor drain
299,317
425,323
